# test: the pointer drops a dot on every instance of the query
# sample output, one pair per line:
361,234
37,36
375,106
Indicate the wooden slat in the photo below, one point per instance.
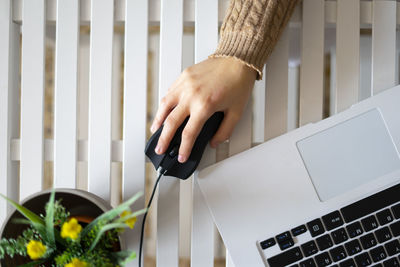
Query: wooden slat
383,45
65,100
259,110
5,26
312,61
32,97
170,67
365,66
332,82
293,98
9,108
347,53
202,239
276,95
134,120
99,154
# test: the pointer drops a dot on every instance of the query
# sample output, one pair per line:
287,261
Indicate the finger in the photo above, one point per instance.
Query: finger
226,128
166,105
172,122
190,133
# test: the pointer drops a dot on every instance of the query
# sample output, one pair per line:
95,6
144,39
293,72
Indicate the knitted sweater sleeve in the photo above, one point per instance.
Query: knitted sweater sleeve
251,29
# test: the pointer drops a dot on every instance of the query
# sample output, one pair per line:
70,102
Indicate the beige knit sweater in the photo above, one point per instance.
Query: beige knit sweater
251,29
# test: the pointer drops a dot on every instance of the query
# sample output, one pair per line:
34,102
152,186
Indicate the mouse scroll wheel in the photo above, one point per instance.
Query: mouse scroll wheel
174,151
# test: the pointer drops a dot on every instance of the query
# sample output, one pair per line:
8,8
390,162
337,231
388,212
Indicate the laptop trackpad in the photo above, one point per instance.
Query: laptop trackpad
349,154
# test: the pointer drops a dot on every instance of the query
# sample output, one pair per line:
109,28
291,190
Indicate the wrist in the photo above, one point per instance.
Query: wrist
238,65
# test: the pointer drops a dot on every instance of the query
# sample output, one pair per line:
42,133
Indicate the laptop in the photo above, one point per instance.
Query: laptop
325,194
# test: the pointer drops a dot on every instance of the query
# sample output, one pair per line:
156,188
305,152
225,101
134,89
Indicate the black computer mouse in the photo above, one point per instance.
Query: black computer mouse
169,160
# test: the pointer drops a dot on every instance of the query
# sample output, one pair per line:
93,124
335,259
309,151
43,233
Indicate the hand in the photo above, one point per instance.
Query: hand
215,84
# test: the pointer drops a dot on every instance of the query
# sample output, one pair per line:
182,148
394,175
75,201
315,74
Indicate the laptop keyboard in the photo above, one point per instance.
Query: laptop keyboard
366,232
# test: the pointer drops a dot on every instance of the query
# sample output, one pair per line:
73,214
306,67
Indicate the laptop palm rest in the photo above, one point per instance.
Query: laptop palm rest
349,154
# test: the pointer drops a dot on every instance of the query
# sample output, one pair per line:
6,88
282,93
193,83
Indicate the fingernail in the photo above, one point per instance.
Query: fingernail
158,149
152,128
181,158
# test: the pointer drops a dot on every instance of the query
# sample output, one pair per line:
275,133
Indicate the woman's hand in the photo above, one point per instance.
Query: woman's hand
216,84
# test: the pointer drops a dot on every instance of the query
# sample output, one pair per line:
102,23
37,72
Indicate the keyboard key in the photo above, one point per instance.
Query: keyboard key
395,227
391,263
307,263
371,204
283,236
315,227
338,253
309,248
384,217
286,258
285,244
332,220
353,247
369,223
267,243
348,263
363,260
339,236
396,211
383,234
378,254
368,241
323,259
354,229
393,247
324,242
299,230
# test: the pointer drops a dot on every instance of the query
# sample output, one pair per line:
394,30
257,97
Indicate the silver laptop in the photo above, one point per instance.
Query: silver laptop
324,194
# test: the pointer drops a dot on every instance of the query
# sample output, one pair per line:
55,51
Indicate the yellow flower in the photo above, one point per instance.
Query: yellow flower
35,249
130,222
71,229
76,263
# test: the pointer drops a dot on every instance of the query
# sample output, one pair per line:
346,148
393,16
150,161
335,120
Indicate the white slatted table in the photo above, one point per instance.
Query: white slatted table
287,95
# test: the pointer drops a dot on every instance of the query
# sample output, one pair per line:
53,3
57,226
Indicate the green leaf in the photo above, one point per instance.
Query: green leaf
37,222
123,257
21,221
104,229
49,219
111,214
35,219
32,263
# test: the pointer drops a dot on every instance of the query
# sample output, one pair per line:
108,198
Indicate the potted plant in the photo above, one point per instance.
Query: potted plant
48,230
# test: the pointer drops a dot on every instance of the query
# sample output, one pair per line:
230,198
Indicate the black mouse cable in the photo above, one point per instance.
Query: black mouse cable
160,174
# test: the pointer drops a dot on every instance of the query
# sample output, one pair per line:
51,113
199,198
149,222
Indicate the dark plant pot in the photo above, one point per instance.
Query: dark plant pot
78,202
